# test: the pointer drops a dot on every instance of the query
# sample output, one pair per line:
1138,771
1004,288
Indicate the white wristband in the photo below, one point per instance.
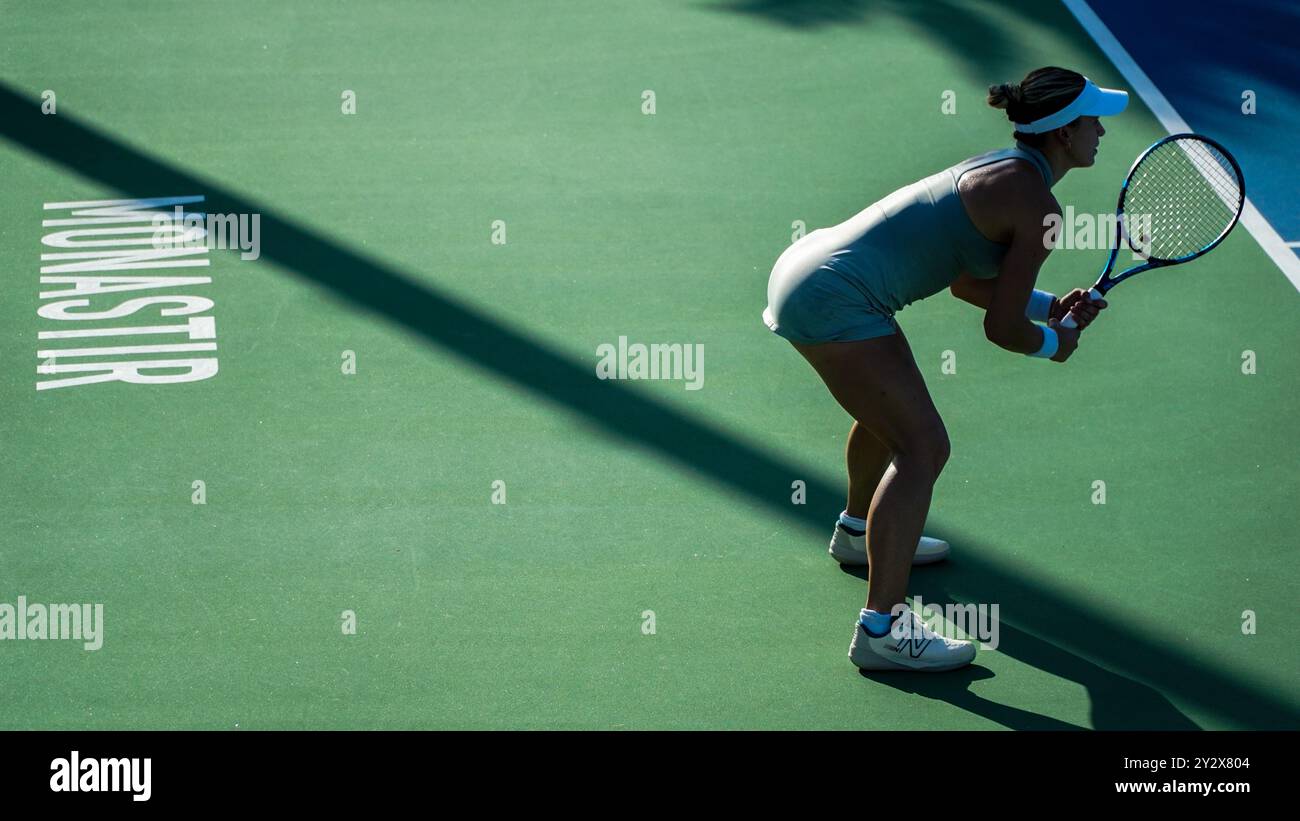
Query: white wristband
1050,343
1039,308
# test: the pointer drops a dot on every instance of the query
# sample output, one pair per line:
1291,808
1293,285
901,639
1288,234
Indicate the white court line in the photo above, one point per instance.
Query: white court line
1264,233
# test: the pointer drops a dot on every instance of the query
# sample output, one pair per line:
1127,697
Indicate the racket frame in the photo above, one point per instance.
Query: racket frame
1105,282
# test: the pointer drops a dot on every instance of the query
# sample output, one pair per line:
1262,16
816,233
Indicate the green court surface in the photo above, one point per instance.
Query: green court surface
475,364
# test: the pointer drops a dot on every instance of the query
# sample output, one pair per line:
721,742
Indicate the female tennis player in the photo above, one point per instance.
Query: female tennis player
977,229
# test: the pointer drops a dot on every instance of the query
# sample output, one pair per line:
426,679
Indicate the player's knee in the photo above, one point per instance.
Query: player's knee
927,449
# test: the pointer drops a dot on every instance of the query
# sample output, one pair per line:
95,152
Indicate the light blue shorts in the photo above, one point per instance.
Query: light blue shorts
821,305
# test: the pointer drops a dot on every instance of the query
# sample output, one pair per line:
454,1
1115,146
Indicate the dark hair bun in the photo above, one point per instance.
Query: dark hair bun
1004,95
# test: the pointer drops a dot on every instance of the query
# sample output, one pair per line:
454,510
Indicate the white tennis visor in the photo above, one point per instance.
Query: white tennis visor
1093,101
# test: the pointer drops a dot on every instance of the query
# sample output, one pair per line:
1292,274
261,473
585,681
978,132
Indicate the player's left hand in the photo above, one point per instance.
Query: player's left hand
1078,302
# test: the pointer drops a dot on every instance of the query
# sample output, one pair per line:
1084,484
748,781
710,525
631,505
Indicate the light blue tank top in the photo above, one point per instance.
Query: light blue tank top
915,242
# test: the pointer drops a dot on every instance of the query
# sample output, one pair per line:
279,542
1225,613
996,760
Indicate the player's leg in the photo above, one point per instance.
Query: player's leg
866,457
877,382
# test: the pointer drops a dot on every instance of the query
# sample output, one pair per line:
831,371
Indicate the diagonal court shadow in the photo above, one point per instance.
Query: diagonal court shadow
700,449
964,31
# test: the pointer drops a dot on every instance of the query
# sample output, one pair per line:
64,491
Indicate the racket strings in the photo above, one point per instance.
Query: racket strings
1178,214
1182,197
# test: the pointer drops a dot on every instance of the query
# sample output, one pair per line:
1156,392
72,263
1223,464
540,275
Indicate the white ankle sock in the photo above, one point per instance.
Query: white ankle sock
852,521
877,624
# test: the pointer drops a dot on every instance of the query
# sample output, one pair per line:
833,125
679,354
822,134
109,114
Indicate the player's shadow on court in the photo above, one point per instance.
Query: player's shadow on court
696,447
954,688
1117,702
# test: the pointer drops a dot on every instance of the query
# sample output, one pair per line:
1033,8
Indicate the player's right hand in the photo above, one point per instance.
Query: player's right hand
1067,339
1080,303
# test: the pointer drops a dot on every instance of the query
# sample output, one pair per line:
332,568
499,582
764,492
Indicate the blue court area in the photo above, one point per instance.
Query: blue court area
1204,61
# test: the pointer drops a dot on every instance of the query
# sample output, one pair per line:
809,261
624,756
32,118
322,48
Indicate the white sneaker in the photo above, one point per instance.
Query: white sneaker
852,550
909,645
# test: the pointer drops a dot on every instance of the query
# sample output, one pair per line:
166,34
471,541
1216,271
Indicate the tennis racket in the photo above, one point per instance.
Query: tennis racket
1183,195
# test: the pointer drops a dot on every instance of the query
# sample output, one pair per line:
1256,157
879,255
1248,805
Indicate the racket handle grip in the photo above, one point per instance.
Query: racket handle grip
1068,321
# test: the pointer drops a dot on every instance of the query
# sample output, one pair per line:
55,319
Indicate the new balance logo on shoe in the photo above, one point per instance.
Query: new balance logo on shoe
915,647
